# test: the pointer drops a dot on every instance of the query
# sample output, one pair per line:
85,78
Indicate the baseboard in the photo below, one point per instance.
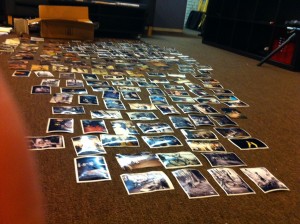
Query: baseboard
162,29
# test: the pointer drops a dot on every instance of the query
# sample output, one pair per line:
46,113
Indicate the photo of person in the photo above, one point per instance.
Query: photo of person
122,127
205,146
73,90
142,116
21,73
178,160
138,183
88,100
60,125
230,181
158,99
248,143
233,132
40,90
93,126
68,110
200,134
201,120
177,92
187,108
137,160
194,184
114,104
46,142
264,179
223,120
130,95
87,145
50,82
223,159
119,140
74,83
161,141
233,113
61,98
206,109
181,122
142,106
106,114
167,109
91,169
155,127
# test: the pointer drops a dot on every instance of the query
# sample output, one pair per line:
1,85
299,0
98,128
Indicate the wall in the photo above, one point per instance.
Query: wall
169,15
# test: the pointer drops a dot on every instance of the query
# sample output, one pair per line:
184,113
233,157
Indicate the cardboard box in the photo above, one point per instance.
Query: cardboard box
65,22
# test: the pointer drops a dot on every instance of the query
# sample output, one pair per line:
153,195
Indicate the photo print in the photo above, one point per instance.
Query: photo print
114,104
122,127
223,159
230,181
199,93
50,82
177,92
158,99
138,183
130,95
46,142
60,125
87,145
90,76
96,88
137,160
142,106
264,179
178,160
68,110
207,100
67,75
146,84
223,120
88,100
182,99
21,73
142,116
248,143
74,83
152,128
173,87
167,109
97,83
93,126
162,141
73,90
155,91
236,104
201,120
114,95
40,90
194,184
200,134
187,108
222,91
181,122
119,140
43,74
233,113
205,146
91,169
233,132
61,98
106,114
227,98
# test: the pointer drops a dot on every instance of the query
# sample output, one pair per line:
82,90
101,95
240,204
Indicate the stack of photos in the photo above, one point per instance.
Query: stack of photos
137,160
194,184
91,169
138,183
130,86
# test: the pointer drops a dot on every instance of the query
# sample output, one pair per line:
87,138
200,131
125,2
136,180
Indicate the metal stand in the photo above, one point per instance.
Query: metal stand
277,49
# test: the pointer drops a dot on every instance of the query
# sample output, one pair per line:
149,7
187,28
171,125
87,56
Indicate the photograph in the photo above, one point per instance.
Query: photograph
230,182
155,80
205,146
91,169
129,89
137,160
73,90
167,109
173,87
121,83
46,142
182,99
114,104
155,91
181,122
43,74
201,120
199,93
67,75
119,140
158,99
233,132
233,113
68,110
97,83
222,91
162,141
248,143
74,83
236,104
93,126
227,98
207,100
178,160
222,120
88,100
142,106
264,179
40,89
60,125
115,95
122,127
87,145
96,88
206,109
50,82
106,114
152,128
146,84
89,76
194,184
128,95
223,159
200,134
187,108
142,116
21,73
61,98
138,183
